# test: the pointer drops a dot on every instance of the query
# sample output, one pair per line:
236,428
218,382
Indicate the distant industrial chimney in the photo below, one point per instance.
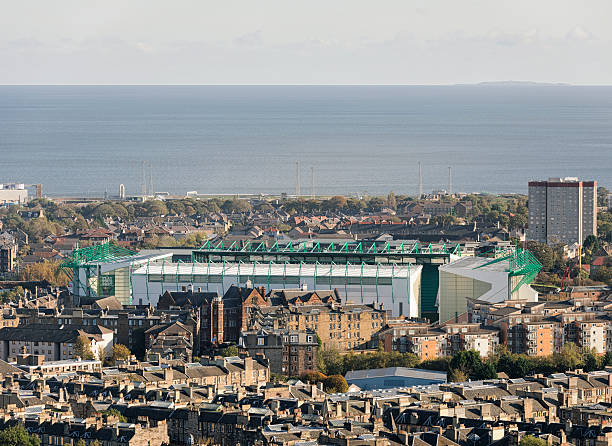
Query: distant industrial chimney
151,178
450,181
143,184
122,192
312,190
297,179
420,192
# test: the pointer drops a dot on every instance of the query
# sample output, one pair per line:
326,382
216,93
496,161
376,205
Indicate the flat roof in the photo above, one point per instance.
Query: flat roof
404,372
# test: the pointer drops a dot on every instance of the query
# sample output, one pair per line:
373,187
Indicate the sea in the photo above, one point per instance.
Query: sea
352,140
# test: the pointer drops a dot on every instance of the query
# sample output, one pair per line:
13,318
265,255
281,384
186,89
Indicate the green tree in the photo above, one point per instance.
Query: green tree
456,376
18,436
12,295
543,253
592,361
231,350
569,358
335,384
467,361
236,205
591,244
603,274
391,201
82,348
335,203
530,440
114,413
120,353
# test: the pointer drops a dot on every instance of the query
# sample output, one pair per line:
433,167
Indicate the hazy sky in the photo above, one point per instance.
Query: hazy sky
304,42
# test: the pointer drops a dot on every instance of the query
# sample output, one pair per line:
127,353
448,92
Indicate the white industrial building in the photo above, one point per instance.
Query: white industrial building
11,194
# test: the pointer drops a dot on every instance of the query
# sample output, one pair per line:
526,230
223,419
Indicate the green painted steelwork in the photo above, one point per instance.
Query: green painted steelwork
347,248
106,252
88,258
521,263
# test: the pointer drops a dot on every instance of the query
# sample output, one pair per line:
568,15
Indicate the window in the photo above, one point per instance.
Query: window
309,338
260,341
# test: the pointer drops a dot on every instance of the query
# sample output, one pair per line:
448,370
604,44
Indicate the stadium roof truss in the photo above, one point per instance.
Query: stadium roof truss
521,263
91,256
332,248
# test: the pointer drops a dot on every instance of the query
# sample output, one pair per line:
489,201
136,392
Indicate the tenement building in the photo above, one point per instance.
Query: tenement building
289,352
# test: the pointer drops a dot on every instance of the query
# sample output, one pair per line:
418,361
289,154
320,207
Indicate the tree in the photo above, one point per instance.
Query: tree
101,354
48,270
82,348
391,201
312,377
456,376
543,253
11,295
530,440
466,361
120,353
335,203
592,361
114,413
155,208
591,244
335,384
18,436
231,350
236,205
603,274
570,357
330,362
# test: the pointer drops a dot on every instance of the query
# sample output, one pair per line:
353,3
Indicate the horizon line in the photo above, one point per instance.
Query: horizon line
461,84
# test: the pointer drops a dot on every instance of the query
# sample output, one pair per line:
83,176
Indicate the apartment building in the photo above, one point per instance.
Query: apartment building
53,343
538,338
469,337
8,253
343,327
289,352
432,342
562,210
396,334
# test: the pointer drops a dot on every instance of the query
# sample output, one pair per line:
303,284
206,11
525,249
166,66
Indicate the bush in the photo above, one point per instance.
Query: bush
530,440
232,350
18,436
312,377
335,384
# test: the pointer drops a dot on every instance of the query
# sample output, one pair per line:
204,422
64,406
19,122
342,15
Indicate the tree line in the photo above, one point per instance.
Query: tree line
468,364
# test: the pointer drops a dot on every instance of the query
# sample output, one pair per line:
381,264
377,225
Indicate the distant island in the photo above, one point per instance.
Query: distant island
522,83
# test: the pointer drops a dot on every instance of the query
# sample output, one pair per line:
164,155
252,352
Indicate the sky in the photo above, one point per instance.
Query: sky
305,42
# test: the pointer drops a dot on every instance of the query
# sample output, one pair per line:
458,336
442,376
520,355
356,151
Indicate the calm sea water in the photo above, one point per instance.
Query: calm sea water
85,140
